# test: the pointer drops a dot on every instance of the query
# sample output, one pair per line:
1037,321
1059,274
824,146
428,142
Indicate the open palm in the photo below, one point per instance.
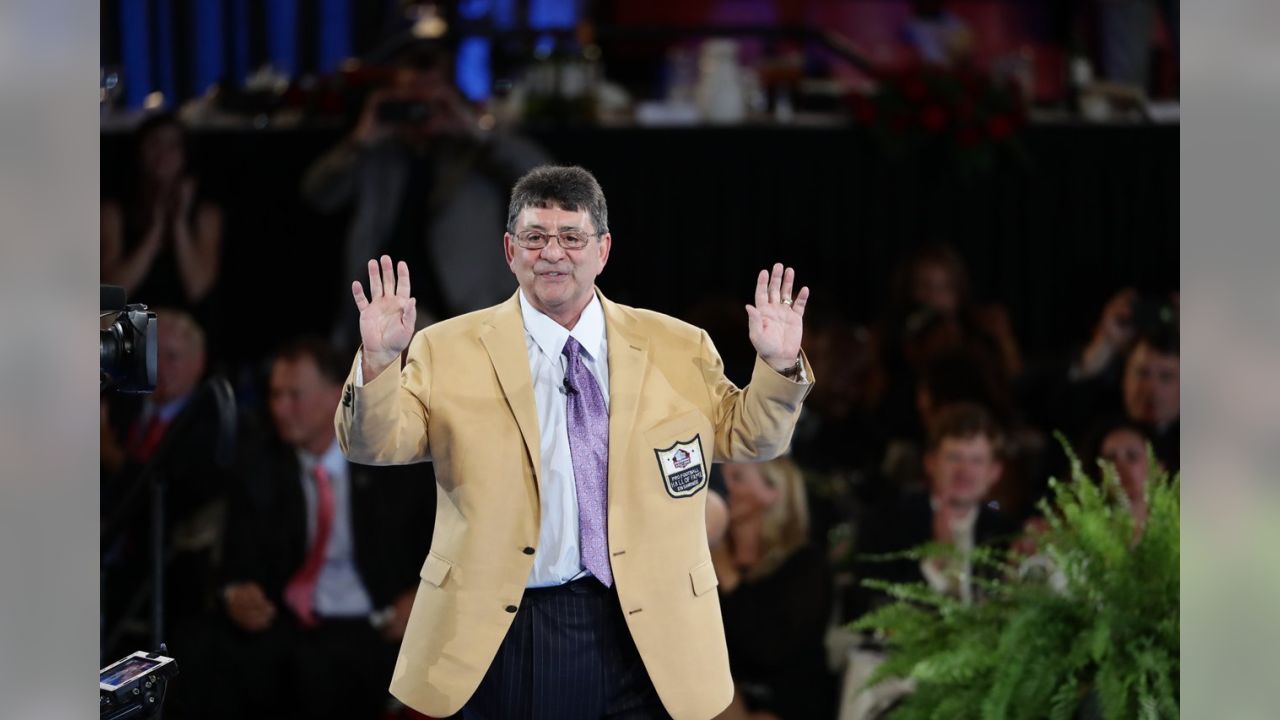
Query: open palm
387,316
774,322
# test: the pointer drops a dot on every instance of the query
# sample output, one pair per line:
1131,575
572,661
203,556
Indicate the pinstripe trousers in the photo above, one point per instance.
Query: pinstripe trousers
567,656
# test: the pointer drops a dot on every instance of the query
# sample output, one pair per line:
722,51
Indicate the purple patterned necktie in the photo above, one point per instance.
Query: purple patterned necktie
588,421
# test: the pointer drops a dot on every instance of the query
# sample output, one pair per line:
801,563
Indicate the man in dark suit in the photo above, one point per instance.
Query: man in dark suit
168,436
321,556
962,464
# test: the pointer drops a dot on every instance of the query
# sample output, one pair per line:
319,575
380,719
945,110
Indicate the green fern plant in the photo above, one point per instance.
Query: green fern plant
1104,633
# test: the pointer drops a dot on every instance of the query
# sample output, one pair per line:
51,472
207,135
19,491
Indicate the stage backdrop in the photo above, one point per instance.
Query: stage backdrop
695,212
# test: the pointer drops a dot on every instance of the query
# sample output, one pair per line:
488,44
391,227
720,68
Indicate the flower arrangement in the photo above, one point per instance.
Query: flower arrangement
961,112
1097,635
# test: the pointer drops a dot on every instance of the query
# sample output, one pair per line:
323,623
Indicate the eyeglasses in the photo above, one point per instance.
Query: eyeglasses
536,239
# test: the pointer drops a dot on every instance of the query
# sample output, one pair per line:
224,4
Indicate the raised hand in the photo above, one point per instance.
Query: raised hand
386,317
774,322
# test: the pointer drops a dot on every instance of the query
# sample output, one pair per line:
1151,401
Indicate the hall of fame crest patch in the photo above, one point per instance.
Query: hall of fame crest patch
683,472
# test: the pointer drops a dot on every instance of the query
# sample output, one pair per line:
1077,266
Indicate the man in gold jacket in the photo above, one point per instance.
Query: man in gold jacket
569,574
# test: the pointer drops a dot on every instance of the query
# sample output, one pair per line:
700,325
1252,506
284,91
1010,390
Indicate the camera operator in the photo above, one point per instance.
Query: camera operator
133,428
429,185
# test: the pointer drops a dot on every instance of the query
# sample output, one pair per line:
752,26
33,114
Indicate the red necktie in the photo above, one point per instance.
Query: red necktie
300,592
142,444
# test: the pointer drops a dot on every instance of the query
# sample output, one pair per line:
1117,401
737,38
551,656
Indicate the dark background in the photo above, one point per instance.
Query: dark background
695,212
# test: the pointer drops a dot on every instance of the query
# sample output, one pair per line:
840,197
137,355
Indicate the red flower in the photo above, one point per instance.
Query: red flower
934,118
999,127
864,110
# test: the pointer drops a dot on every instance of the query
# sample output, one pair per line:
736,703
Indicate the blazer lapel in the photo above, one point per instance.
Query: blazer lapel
628,360
503,339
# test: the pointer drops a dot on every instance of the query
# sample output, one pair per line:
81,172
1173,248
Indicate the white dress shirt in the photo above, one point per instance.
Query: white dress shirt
558,557
339,589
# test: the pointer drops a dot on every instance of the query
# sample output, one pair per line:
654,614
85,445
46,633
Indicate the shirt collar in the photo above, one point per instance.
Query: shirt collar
550,336
168,410
331,458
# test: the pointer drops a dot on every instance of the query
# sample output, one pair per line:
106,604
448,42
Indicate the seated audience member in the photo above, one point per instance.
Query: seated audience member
161,238
962,462
959,376
321,558
775,596
836,433
931,311
1130,367
169,435
1121,443
429,185
1124,444
1152,391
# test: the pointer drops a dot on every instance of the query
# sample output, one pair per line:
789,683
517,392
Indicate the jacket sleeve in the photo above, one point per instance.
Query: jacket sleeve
754,423
384,422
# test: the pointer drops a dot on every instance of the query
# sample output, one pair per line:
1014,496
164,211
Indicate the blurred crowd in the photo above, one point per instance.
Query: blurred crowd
290,572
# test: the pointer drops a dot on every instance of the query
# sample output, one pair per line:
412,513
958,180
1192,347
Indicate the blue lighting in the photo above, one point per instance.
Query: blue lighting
240,40
473,73
546,14
135,51
206,20
474,9
335,36
164,63
282,35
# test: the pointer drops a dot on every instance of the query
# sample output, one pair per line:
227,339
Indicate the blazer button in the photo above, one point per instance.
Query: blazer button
528,551
511,608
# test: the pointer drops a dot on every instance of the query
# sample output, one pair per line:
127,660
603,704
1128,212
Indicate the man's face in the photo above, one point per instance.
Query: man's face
179,361
962,470
934,287
302,402
556,281
425,86
1151,393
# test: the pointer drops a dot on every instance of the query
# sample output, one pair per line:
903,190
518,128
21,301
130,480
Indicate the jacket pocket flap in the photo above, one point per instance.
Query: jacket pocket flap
703,578
435,569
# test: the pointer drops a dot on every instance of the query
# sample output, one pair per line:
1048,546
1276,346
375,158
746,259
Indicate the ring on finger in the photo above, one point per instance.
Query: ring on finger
786,301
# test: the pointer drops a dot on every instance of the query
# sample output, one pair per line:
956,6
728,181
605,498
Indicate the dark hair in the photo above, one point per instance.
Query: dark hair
332,365
1162,338
152,123
571,187
1101,430
962,421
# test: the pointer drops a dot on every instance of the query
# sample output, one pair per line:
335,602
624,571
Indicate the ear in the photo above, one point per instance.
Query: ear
509,248
606,243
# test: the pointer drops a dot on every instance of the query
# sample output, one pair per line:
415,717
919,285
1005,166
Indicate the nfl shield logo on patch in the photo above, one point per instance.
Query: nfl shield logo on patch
683,472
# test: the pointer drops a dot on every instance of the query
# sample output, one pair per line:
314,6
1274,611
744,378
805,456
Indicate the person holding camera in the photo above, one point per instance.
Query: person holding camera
429,184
